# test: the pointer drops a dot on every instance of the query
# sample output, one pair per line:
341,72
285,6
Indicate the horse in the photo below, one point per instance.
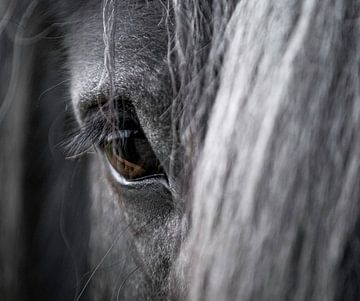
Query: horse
179,150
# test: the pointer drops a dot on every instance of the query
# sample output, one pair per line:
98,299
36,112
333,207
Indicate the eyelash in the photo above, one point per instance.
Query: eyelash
126,149
83,140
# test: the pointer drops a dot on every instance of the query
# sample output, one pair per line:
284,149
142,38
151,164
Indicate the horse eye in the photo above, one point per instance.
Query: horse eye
131,155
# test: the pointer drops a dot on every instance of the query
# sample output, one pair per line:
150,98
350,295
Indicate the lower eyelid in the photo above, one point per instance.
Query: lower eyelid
122,181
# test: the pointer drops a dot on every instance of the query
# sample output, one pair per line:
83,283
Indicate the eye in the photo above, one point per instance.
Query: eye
131,155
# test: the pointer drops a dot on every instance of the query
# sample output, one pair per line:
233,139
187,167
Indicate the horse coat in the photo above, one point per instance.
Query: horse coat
179,150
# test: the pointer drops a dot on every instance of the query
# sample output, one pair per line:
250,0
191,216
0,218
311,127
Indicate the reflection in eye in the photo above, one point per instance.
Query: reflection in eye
131,155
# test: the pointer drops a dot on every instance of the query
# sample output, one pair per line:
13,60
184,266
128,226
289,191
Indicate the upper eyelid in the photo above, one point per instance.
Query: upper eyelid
89,103
100,132
98,106
95,131
121,134
96,100
118,111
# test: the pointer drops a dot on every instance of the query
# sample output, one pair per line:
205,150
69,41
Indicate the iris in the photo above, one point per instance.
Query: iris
131,155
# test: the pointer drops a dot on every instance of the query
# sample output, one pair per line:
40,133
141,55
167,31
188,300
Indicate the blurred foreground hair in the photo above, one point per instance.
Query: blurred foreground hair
271,90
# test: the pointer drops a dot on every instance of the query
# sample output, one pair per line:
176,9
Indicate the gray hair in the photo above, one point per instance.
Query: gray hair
275,193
